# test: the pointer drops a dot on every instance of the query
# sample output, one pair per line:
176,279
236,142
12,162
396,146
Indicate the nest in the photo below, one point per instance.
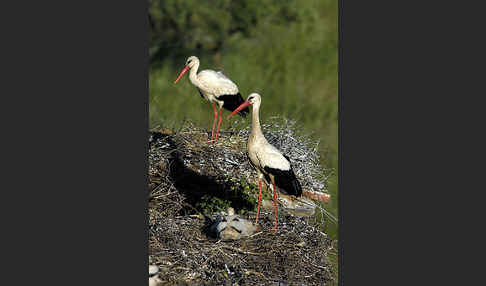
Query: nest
185,170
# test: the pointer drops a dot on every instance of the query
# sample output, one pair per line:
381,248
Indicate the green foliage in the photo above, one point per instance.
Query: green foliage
240,195
248,193
179,26
245,191
210,204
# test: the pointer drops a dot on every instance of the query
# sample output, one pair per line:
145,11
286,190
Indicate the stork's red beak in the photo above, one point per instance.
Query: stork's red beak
242,106
184,70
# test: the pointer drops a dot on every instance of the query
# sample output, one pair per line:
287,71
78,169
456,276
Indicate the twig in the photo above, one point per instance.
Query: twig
249,271
244,252
255,234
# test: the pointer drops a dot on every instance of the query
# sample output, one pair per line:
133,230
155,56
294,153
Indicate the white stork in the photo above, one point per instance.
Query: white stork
216,88
270,164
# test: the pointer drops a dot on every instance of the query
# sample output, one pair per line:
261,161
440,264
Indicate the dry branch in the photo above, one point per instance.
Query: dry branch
183,167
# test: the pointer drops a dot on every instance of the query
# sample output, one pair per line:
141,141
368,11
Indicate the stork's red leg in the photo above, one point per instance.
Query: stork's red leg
259,199
214,122
219,123
275,203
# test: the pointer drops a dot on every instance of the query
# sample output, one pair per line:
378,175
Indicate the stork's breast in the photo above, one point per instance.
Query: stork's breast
252,154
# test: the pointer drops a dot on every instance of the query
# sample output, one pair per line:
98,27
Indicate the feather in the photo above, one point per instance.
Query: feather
232,101
285,180
216,83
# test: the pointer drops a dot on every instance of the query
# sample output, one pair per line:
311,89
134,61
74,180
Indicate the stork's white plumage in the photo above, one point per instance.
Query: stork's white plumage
271,165
216,88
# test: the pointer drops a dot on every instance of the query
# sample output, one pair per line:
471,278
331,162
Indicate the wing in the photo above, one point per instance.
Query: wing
286,181
216,83
220,73
278,165
273,158
232,101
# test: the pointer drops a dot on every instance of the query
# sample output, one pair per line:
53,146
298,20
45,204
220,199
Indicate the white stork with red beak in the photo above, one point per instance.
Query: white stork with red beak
216,88
270,164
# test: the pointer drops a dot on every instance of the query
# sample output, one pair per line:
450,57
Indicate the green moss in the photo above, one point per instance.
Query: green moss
210,204
240,195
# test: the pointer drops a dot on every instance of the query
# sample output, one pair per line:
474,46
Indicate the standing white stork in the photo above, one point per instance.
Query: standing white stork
270,164
216,88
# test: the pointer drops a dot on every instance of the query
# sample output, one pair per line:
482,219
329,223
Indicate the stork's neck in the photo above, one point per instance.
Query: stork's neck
256,130
193,74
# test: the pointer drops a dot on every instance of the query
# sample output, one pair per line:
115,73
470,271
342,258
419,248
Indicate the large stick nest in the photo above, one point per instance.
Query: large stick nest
189,179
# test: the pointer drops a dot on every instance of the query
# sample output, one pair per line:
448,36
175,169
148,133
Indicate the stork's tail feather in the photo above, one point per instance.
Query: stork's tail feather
318,196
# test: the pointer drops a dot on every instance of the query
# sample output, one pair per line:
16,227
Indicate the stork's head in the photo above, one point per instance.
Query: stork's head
190,62
253,99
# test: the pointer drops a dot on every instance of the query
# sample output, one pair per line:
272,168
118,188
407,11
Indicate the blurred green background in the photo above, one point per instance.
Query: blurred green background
285,50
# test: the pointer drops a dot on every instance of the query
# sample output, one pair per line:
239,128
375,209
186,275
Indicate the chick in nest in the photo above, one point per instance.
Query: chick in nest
229,226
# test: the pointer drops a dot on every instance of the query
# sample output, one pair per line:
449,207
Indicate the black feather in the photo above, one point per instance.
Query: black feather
232,101
286,181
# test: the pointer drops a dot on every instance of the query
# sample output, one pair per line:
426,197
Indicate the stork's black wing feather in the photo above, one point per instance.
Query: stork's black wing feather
232,101
285,180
